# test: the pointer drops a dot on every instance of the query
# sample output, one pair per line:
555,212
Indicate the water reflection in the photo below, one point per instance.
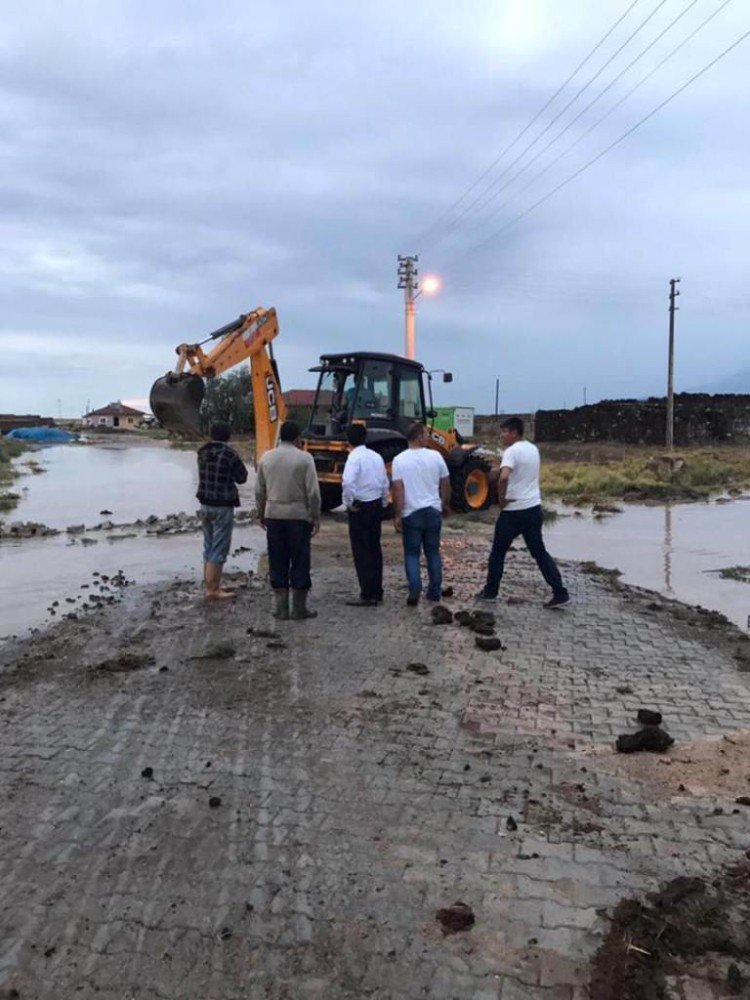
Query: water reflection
668,548
672,549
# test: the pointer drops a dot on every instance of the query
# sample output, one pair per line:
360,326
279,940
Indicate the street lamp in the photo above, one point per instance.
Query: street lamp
407,279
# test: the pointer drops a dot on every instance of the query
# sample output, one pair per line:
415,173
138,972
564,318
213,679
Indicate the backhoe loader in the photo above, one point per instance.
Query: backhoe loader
383,391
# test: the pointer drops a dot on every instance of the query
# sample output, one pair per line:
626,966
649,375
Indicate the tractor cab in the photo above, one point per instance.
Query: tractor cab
382,391
387,394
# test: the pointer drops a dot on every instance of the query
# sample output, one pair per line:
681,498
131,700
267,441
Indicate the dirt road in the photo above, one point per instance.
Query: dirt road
193,808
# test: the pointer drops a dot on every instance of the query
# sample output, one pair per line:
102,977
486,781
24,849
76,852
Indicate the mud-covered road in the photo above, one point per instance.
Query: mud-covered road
197,802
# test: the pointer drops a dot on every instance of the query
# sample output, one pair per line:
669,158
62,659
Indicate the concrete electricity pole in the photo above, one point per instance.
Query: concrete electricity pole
673,293
407,279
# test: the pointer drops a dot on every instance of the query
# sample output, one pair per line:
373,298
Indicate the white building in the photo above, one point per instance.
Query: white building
115,415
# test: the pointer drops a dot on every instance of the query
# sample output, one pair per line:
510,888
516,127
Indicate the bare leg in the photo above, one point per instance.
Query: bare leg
213,584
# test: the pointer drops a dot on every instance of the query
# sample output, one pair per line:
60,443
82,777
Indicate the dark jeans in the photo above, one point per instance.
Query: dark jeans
421,530
510,525
289,554
364,534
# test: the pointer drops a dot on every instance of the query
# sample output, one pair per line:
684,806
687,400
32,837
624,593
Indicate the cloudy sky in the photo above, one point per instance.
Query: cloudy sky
166,166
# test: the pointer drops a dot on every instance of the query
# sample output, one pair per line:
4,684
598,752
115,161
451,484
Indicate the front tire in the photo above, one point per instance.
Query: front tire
470,485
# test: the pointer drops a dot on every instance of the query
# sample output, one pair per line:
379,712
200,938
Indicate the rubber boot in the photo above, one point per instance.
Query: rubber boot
299,606
281,604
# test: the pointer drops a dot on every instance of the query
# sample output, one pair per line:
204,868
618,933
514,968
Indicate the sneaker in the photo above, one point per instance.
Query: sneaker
484,596
412,600
434,600
558,602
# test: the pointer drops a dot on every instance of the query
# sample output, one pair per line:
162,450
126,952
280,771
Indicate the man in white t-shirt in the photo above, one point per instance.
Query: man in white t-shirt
520,503
421,494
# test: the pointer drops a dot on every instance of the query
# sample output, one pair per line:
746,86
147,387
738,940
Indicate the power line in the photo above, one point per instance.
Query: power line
526,128
604,117
609,148
549,125
566,128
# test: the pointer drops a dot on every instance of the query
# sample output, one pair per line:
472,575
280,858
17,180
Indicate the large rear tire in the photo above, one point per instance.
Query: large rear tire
330,495
470,485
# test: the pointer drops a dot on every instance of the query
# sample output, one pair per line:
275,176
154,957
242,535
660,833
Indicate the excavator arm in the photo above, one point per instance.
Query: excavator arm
176,397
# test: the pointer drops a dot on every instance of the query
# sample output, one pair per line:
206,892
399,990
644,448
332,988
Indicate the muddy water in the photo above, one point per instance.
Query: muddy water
670,549
131,480
81,481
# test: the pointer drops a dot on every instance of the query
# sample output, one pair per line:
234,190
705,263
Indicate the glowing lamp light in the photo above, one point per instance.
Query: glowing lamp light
430,284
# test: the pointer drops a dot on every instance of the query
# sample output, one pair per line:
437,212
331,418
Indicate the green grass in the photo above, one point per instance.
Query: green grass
643,474
740,573
8,451
9,500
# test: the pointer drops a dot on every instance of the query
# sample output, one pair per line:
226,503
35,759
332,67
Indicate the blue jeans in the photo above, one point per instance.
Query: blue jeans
421,530
217,523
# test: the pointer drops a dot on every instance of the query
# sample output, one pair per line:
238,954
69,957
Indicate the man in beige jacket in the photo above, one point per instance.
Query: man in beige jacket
288,499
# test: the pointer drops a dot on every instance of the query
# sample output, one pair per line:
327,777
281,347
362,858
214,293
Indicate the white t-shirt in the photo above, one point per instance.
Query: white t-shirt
420,470
522,458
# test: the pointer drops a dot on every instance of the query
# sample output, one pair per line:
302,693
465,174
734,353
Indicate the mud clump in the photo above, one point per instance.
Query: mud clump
418,668
455,918
648,941
220,651
441,615
488,643
651,738
124,663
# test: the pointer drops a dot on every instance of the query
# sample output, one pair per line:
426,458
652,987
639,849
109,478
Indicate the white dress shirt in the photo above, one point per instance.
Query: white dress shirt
364,478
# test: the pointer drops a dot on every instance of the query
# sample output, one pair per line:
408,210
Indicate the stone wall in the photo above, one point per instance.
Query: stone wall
699,419
9,421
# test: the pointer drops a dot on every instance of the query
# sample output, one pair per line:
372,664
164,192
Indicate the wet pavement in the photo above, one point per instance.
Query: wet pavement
312,803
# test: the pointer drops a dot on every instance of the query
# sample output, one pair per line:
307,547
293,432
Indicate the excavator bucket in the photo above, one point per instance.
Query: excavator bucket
176,403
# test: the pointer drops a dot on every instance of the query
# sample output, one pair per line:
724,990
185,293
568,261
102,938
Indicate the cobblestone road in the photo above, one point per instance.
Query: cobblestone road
356,797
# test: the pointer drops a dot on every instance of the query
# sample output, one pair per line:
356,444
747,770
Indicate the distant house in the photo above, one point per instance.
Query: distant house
299,403
115,415
299,397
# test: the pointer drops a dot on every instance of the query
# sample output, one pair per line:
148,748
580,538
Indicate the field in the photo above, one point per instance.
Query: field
585,473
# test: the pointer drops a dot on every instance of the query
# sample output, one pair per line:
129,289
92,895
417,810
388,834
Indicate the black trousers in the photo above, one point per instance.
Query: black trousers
510,525
289,554
364,534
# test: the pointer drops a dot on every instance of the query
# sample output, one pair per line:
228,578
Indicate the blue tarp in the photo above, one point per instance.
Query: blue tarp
41,435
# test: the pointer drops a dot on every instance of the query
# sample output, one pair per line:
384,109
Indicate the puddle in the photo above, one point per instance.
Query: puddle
669,549
132,481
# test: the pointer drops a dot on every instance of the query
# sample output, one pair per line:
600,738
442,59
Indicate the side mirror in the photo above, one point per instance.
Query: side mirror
447,376
431,414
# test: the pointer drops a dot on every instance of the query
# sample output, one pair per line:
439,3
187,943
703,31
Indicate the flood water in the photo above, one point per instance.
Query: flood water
131,480
80,481
670,549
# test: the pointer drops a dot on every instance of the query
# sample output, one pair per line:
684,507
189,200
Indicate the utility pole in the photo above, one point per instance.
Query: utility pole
673,293
584,395
407,279
497,398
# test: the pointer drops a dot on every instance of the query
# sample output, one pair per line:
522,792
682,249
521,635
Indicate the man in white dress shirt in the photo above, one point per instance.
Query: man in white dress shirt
365,491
